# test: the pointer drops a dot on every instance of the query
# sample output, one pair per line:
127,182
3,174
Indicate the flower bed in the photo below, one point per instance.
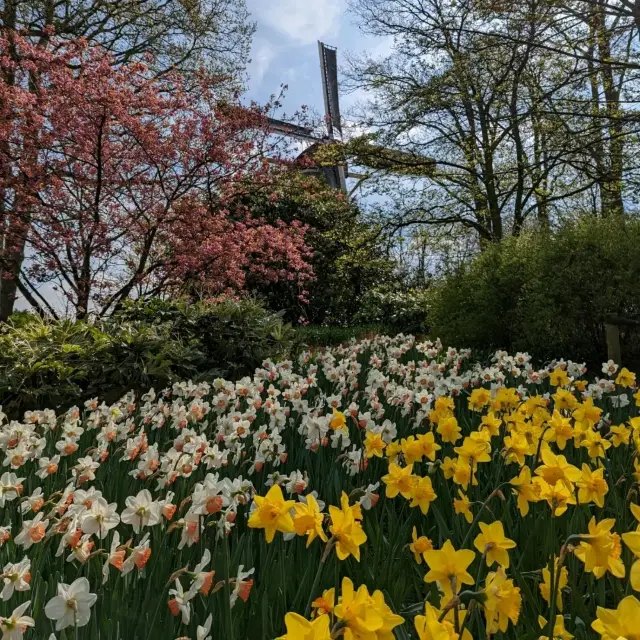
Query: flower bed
383,489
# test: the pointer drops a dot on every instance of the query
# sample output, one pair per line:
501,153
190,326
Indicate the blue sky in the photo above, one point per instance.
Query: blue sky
285,49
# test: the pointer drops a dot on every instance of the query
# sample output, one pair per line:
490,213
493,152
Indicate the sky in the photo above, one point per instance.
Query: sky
285,49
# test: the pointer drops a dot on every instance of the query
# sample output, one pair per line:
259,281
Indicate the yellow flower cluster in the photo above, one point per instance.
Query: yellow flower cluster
358,615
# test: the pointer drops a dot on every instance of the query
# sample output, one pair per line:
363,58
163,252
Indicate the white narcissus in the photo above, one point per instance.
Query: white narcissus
115,557
33,531
10,487
179,603
16,624
16,577
100,518
139,556
202,631
141,511
72,606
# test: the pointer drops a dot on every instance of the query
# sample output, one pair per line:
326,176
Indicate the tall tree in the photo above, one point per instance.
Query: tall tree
522,133
117,181
171,35
178,34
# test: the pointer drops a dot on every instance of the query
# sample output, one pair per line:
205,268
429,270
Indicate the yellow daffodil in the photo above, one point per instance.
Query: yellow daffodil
429,627
325,603
594,443
365,616
635,510
564,399
422,494
462,473
272,513
516,447
494,544
632,541
491,423
560,430
346,529
622,623
449,430
634,423
555,468
419,546
557,495
448,467
338,421
545,585
587,413
307,520
559,632
299,628
626,378
399,480
619,435
393,450
525,490
502,603
559,378
444,403
429,446
479,398
448,567
390,620
600,549
474,450
505,398
592,487
412,449
462,505
374,445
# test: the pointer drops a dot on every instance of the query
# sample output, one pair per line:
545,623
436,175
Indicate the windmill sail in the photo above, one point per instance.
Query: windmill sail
291,130
332,154
329,69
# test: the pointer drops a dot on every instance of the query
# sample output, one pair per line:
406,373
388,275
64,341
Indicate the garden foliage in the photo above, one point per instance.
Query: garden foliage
147,343
546,293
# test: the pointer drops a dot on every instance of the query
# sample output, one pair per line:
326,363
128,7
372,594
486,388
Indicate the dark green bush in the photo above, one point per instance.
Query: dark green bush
321,336
45,363
546,293
234,337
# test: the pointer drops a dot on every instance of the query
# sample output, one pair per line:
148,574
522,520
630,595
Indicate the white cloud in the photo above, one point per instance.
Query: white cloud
304,21
263,53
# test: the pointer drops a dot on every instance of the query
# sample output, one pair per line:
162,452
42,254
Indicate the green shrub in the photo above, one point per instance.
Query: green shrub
545,293
321,336
395,310
46,363
234,337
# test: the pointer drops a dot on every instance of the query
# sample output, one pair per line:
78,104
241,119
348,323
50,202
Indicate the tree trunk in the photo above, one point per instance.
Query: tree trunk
611,184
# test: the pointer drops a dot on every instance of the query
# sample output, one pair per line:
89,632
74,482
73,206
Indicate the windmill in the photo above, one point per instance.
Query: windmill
361,151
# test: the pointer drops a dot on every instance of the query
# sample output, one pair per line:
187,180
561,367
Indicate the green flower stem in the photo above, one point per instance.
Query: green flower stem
316,581
492,495
555,580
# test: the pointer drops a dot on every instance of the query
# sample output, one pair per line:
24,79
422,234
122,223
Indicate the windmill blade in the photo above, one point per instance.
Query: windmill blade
329,70
291,130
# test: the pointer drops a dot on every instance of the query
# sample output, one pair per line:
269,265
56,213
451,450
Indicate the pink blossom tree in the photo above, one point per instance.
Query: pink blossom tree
113,183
